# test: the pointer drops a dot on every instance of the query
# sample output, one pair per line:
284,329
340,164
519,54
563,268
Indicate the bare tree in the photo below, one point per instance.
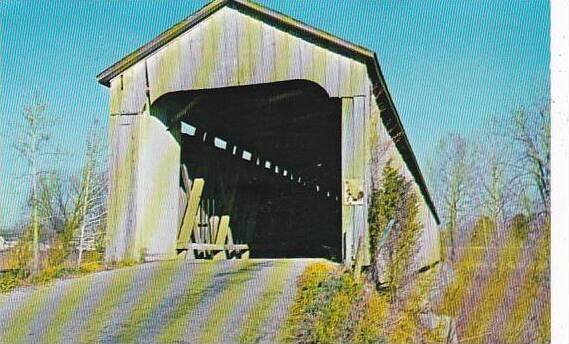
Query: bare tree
92,191
74,207
452,177
32,145
529,132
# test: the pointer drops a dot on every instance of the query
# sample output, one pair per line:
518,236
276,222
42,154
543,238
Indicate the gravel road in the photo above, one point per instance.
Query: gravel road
163,302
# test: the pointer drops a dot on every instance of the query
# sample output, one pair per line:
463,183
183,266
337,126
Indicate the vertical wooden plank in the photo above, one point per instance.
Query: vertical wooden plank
205,50
128,90
344,77
347,173
264,71
231,39
189,222
116,94
114,235
360,217
249,44
295,68
121,226
320,59
182,204
332,72
187,64
221,237
283,56
214,225
186,178
358,76
369,129
223,230
219,53
164,70
306,60
158,174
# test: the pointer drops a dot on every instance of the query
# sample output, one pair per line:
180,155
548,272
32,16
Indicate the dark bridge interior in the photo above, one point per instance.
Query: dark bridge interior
270,157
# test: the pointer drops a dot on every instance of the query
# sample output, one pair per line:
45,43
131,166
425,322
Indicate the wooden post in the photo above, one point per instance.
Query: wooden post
222,234
347,173
189,222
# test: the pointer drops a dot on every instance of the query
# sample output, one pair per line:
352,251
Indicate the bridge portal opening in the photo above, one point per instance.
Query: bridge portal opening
270,156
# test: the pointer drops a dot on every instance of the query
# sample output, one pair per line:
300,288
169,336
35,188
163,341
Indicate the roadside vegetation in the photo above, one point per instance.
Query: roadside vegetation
62,232
389,303
494,198
492,282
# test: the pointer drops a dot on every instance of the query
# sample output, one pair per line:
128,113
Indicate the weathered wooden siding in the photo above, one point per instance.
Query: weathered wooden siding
231,49
159,176
381,142
227,49
123,144
348,211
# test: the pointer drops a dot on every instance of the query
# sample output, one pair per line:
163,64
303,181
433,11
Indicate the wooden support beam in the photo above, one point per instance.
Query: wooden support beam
189,221
186,178
223,234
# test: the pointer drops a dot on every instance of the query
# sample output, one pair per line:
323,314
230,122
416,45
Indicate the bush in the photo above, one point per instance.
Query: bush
91,267
11,279
46,275
326,308
392,256
371,327
333,307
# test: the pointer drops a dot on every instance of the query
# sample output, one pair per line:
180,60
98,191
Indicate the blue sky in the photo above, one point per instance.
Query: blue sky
450,65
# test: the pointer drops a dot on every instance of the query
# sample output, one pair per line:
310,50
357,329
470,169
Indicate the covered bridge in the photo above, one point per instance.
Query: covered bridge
287,125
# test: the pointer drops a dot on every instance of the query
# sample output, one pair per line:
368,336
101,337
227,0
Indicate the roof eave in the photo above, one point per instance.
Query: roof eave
164,38
384,97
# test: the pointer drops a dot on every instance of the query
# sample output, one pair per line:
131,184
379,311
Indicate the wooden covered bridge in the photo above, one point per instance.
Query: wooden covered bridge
240,125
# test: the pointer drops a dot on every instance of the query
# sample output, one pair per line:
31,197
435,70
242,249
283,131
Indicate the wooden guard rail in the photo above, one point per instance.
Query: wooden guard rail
217,241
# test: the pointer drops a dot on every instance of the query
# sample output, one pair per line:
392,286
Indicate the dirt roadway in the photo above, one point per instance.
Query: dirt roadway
167,302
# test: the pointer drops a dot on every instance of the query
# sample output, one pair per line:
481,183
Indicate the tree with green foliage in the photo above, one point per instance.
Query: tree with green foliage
393,252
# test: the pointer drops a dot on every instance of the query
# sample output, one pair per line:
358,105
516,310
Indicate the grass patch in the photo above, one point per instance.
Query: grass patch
15,278
12,279
466,269
320,313
332,307
494,291
534,281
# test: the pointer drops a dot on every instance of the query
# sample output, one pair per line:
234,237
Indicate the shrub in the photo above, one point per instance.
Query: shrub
91,267
392,259
45,275
11,279
371,327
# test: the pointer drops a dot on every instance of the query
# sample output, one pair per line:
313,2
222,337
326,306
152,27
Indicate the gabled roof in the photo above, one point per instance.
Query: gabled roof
369,58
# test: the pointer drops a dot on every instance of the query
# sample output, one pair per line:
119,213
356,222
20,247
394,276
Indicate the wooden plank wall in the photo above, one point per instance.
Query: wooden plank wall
429,251
123,146
158,178
231,49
